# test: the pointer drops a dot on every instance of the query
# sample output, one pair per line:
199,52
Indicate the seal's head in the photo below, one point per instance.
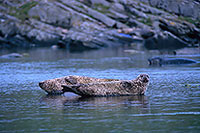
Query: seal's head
52,86
155,61
142,82
143,78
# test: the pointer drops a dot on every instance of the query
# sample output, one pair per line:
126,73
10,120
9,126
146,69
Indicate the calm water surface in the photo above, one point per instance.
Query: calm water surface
172,101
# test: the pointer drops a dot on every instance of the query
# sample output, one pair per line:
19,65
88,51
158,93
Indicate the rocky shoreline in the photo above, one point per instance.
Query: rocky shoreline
93,24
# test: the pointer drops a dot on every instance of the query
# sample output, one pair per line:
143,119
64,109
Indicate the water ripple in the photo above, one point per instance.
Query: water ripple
167,114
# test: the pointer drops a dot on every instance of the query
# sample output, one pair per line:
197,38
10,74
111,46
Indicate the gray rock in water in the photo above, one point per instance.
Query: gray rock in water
158,61
12,55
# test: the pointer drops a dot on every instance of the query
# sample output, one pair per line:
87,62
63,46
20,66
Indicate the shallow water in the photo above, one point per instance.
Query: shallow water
171,103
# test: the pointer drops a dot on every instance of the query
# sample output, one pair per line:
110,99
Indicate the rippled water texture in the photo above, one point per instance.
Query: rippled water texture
172,101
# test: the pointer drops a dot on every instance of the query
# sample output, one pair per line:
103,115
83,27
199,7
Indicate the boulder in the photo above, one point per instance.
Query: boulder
94,13
137,13
183,7
51,14
189,9
185,31
101,2
92,36
165,40
101,17
11,56
118,16
8,28
147,33
117,7
42,37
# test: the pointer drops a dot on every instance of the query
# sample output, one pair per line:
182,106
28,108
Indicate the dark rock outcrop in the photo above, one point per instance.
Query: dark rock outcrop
93,24
165,40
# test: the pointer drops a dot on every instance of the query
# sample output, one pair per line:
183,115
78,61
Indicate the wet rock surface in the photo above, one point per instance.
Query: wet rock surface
91,24
10,56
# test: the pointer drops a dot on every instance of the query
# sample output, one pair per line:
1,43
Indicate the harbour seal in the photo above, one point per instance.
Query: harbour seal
53,86
158,61
137,86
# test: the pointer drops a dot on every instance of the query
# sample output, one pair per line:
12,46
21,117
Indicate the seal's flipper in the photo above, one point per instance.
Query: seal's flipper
66,88
126,84
71,88
71,80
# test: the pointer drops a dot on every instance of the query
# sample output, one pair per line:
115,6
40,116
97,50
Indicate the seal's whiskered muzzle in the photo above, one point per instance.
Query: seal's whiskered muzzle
145,79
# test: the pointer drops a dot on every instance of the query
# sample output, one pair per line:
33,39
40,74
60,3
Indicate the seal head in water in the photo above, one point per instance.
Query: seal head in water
137,86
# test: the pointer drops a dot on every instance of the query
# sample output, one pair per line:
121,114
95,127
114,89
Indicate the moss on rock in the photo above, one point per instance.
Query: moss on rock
22,11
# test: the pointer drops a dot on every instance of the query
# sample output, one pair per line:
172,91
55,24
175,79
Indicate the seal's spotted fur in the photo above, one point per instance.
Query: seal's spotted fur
111,88
53,86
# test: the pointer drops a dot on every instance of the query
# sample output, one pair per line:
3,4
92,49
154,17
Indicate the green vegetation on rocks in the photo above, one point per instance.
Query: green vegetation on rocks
22,11
101,8
189,19
147,21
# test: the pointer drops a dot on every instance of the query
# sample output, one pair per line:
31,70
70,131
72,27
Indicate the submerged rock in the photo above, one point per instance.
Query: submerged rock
12,55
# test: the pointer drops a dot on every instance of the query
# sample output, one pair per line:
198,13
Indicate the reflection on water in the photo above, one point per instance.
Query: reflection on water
171,102
63,102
